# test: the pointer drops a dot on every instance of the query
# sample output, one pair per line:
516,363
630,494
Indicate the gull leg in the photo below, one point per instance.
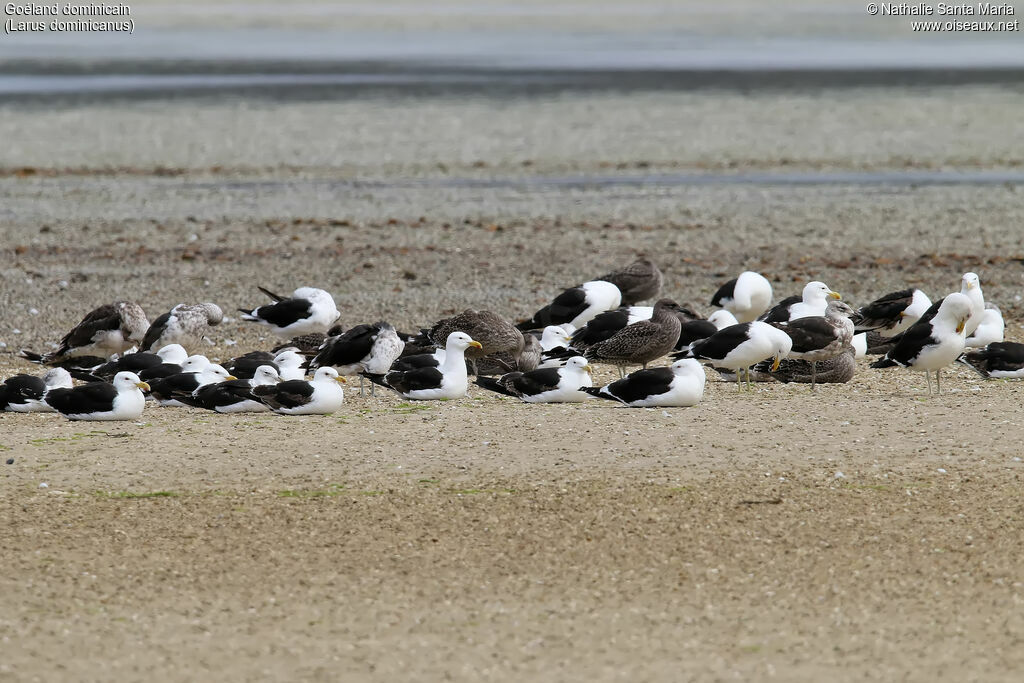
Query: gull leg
361,380
373,388
928,375
750,387
473,363
622,371
739,379
814,375
938,387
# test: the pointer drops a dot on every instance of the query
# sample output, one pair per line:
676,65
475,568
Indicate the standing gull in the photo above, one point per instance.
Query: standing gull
932,344
680,384
104,331
738,347
184,324
364,348
639,281
308,310
746,296
120,400
550,385
818,338
641,342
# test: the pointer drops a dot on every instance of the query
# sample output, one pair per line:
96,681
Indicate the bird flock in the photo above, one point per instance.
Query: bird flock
123,362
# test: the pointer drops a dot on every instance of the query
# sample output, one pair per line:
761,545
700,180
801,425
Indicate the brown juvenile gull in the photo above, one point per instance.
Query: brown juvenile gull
505,361
104,331
492,332
641,342
184,324
639,281
818,338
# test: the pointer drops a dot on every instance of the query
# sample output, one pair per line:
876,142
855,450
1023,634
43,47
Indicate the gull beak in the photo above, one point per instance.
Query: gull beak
903,314
960,326
230,377
476,345
775,364
340,380
834,295
142,385
588,369
970,285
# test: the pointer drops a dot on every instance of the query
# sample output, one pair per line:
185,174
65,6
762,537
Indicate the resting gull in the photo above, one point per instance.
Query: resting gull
492,332
836,370
177,390
235,395
27,393
932,344
185,324
576,306
120,400
892,313
307,310
639,281
138,362
448,379
549,385
104,331
990,330
746,296
322,395
998,360
680,384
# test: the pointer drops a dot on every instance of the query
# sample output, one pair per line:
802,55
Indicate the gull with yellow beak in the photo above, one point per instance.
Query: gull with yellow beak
812,302
738,347
932,344
121,399
548,385
436,378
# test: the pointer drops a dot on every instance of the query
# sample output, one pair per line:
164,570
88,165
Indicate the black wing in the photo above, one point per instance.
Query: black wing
133,362
998,357
155,330
718,345
884,311
224,394
414,380
641,384
563,309
273,296
285,312
918,336
348,348
176,386
290,394
603,326
101,319
496,385
694,330
422,360
726,291
536,381
779,313
23,388
809,334
95,397
244,367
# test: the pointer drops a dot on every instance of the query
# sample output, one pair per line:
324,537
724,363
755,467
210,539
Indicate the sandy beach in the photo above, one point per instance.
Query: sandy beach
866,531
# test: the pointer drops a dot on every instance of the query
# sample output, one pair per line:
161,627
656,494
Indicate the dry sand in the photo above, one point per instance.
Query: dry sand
865,532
